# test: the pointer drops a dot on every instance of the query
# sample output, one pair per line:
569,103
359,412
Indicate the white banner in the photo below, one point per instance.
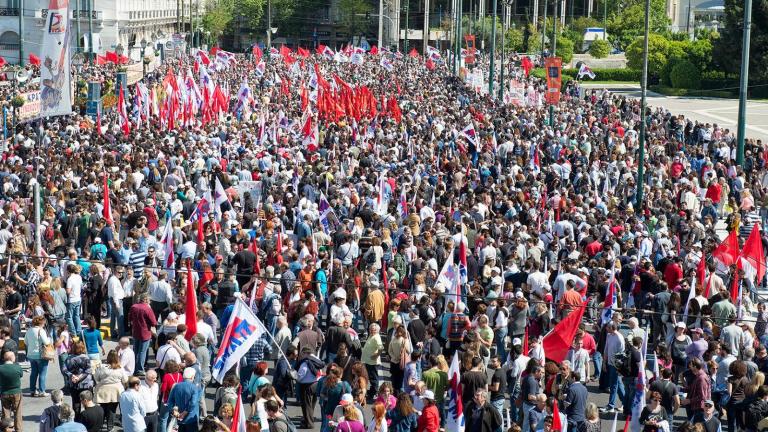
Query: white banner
55,68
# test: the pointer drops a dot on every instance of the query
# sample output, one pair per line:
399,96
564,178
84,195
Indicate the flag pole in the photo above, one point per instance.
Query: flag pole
273,341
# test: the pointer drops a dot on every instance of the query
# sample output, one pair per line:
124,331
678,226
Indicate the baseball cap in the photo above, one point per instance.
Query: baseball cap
516,341
428,394
680,324
709,402
346,399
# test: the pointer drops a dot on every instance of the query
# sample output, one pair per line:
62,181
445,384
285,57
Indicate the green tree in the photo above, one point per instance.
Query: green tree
352,15
600,48
658,54
250,12
629,23
217,16
514,40
685,75
727,50
564,49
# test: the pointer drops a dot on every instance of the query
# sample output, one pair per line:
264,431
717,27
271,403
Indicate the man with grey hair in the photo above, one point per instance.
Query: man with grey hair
480,413
67,419
282,336
49,419
308,337
149,391
126,355
182,400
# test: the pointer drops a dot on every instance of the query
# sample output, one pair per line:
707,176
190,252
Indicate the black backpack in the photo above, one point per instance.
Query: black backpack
288,423
622,360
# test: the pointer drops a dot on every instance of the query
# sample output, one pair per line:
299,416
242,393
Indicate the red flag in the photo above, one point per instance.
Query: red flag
413,53
526,347
374,50
302,52
101,60
558,341
190,311
430,64
2,61
527,65
257,53
557,425
304,97
752,256
111,56
107,211
701,268
200,232
238,415
279,247
728,251
214,49
122,112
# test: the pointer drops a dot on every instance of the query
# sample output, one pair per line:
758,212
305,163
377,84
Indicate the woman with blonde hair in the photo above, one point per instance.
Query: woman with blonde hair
400,349
352,422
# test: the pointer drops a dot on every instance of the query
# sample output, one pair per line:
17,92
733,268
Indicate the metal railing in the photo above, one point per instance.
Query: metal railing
82,14
9,11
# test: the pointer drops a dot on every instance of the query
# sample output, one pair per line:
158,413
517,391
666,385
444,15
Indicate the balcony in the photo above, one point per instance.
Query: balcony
82,14
12,12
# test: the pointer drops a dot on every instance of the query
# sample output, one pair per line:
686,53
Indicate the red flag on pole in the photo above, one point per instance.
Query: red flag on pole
255,250
701,268
200,231
526,348
190,311
107,211
279,247
557,425
728,251
558,341
752,256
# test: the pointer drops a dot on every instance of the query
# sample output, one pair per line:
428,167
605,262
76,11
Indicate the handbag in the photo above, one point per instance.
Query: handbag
47,351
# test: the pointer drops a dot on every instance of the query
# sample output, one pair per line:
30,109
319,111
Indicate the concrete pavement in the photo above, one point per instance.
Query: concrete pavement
724,112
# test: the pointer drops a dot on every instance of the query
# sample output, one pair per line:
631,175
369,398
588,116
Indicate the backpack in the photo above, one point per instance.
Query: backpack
266,305
621,360
457,323
288,423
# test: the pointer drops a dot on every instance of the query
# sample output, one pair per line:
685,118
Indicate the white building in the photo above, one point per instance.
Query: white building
115,23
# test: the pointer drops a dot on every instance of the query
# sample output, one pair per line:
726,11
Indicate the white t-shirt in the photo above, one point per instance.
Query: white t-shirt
75,287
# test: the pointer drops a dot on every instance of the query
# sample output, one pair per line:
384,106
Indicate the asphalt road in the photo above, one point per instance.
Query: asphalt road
724,112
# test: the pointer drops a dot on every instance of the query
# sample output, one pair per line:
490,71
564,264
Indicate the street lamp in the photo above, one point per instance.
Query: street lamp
493,51
144,59
643,89
506,4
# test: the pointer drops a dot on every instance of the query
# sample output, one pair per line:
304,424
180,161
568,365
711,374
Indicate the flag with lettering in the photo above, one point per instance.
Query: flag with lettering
243,330
454,420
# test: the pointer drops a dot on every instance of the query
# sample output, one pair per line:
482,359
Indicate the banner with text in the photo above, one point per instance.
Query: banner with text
55,98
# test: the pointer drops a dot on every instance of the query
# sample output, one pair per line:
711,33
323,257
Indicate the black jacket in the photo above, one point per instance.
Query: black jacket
488,421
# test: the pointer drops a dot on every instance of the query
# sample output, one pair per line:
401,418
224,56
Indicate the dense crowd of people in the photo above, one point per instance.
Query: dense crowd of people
338,247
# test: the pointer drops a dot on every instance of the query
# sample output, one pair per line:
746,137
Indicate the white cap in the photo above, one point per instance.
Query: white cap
189,374
516,341
428,394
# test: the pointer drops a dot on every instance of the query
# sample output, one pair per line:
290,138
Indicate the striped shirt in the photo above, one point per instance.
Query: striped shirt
137,262
748,221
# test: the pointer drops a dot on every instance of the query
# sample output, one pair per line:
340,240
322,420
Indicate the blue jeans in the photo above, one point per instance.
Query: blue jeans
499,405
615,385
165,414
16,328
501,345
141,348
597,357
629,394
37,375
271,324
73,318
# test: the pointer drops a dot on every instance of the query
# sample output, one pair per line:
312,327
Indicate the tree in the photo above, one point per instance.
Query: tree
564,49
599,48
251,11
217,16
625,26
685,75
658,54
514,40
727,51
352,15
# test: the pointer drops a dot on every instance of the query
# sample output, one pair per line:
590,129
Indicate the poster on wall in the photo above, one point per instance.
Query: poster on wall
55,97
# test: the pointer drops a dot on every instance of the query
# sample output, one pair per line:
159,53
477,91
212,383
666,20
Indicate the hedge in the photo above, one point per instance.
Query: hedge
685,75
671,91
627,75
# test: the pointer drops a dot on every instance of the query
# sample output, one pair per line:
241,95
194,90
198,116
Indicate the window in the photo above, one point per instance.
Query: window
9,41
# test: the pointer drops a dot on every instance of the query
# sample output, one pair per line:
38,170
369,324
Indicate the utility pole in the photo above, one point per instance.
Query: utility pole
91,51
504,16
405,45
743,80
21,32
381,23
643,90
554,28
493,51
454,36
269,24
544,28
77,25
459,34
605,19
425,35
178,16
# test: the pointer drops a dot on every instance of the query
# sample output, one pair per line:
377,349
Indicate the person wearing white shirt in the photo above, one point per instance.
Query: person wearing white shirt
205,329
160,294
149,392
538,282
116,295
126,355
168,352
74,297
132,407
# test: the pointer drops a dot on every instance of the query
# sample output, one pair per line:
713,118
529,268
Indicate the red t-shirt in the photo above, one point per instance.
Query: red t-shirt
715,192
142,319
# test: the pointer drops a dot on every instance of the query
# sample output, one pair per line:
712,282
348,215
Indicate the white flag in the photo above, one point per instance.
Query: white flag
243,330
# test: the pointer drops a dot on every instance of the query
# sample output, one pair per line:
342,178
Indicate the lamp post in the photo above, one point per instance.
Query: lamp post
643,90
493,51
143,58
505,4
743,80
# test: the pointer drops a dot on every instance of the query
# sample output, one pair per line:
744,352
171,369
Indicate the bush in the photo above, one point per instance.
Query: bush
625,75
600,48
564,49
685,75
669,91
